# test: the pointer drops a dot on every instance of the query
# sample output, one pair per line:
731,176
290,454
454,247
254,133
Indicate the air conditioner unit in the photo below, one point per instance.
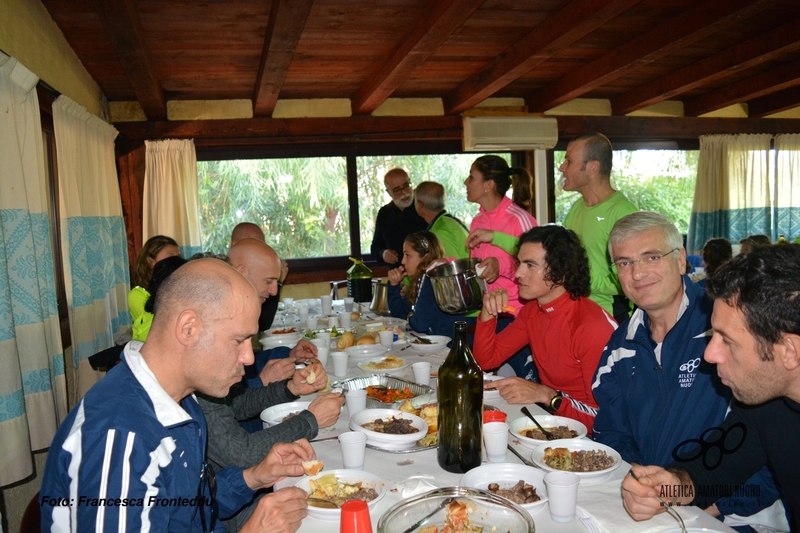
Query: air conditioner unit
482,134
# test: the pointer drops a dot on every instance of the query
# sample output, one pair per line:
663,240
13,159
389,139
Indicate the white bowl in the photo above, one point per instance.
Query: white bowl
547,421
491,394
587,478
277,340
272,333
507,475
366,351
364,366
439,342
388,441
274,415
346,476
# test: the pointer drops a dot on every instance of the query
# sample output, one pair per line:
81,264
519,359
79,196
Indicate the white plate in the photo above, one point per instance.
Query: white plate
295,335
491,394
366,351
439,343
587,478
277,340
346,476
274,415
364,366
547,421
385,440
507,475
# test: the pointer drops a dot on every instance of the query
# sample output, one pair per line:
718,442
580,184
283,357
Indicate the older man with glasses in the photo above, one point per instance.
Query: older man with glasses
396,220
653,388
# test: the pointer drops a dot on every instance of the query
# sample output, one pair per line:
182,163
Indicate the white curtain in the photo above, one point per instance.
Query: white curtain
33,398
171,201
92,234
787,186
732,195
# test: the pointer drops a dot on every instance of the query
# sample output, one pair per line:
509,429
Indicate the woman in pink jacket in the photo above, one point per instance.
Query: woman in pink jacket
489,179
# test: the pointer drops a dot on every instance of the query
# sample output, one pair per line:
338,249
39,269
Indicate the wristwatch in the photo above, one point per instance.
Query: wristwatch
555,401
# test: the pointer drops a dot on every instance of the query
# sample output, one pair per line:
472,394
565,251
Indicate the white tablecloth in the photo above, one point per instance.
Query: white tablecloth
603,501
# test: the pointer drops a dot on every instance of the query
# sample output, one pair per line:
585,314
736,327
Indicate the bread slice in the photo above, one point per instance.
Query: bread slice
312,468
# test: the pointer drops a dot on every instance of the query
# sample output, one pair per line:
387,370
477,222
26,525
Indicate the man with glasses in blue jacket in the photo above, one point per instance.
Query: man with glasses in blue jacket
653,388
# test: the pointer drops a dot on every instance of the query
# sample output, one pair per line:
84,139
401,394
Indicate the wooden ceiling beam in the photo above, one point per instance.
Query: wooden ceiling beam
694,24
574,21
753,52
287,18
121,22
774,103
428,33
323,130
763,84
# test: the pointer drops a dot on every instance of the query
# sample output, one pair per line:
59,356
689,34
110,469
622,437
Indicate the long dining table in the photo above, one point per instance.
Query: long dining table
599,505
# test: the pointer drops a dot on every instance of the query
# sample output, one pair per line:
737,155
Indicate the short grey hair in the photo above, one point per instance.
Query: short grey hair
636,223
431,195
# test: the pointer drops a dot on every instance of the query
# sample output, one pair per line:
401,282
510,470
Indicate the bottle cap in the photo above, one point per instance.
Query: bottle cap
355,517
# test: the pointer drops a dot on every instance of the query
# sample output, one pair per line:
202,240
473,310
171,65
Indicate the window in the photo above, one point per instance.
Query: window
653,180
302,203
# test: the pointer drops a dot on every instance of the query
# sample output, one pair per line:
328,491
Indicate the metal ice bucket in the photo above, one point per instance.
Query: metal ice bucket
457,287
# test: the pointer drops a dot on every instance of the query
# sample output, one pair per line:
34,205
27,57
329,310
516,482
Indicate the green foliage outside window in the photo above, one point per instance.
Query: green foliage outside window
653,180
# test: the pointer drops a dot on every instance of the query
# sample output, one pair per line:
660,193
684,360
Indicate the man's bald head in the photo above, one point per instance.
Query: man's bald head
246,230
259,263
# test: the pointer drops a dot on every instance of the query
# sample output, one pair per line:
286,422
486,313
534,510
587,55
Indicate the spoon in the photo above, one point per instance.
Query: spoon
327,503
546,433
422,340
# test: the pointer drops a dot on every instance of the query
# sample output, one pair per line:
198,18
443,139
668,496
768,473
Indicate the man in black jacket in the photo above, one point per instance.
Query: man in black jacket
395,220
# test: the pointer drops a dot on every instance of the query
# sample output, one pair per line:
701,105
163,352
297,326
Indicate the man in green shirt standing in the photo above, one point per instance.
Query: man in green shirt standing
452,233
587,169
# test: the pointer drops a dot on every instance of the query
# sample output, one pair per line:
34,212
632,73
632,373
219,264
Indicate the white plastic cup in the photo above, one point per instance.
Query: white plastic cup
387,338
326,301
319,343
322,355
562,491
345,319
333,321
348,304
495,441
354,447
326,336
422,372
311,322
302,313
339,364
356,401
287,302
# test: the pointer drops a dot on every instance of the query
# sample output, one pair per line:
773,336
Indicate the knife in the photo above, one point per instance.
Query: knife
515,452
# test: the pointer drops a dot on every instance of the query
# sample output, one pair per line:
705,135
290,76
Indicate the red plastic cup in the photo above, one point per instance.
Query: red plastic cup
494,416
355,517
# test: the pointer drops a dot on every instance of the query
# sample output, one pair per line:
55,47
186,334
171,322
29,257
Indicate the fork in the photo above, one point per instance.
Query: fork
667,506
423,340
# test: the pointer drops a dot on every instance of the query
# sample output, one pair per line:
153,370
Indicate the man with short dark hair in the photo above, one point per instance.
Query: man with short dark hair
131,454
395,220
565,330
587,169
451,232
756,350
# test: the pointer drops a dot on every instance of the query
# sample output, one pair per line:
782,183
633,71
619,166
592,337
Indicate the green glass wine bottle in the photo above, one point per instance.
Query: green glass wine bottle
460,394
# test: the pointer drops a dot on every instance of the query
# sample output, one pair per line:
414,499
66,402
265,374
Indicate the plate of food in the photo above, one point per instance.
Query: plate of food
389,429
385,391
491,394
592,461
272,416
532,437
436,343
339,486
383,365
523,485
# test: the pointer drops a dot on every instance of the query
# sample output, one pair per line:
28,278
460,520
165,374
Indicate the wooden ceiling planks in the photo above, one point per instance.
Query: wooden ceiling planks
680,31
286,22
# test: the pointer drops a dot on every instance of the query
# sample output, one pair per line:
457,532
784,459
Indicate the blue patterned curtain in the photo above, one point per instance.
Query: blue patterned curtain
93,236
33,399
787,186
732,197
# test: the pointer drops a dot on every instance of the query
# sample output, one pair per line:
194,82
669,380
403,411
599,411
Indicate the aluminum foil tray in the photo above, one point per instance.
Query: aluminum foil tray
422,393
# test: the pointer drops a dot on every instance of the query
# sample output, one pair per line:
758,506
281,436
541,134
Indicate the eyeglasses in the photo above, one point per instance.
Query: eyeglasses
207,477
400,188
647,260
